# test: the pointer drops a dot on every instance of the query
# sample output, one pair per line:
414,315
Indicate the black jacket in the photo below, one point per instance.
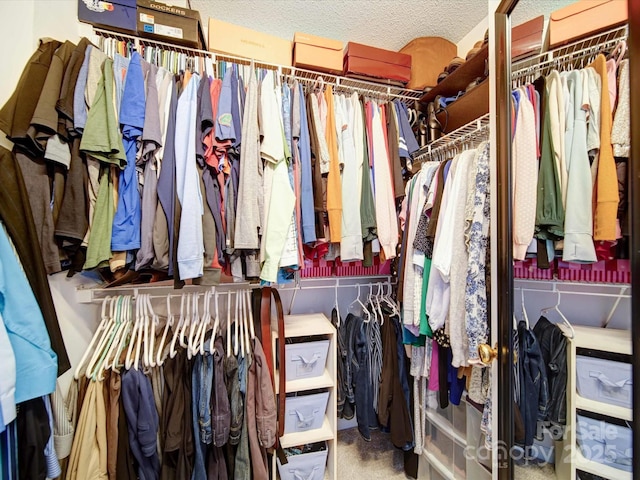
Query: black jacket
553,345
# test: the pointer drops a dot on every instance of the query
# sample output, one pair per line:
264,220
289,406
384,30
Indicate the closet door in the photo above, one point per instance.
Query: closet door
501,350
501,244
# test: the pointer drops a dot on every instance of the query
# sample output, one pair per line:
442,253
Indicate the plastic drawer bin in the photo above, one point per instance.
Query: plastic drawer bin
304,466
306,360
605,442
305,412
605,381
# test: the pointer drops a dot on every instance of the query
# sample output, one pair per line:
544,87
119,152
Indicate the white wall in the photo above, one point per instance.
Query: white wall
24,22
476,34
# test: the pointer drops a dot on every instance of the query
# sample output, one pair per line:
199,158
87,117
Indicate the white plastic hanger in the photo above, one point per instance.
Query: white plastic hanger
216,322
193,327
155,321
229,323
110,359
565,321
204,323
236,346
172,348
186,322
524,310
123,338
104,339
359,302
336,306
97,372
104,319
252,331
169,323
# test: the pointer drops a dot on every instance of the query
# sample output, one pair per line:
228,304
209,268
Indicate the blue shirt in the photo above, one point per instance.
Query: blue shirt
125,234
306,186
36,362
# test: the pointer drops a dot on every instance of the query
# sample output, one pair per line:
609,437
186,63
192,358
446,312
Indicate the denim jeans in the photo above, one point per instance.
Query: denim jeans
235,399
534,389
220,410
363,388
201,410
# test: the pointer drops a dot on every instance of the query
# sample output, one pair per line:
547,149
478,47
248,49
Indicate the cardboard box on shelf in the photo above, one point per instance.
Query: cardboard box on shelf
317,53
167,23
585,18
237,41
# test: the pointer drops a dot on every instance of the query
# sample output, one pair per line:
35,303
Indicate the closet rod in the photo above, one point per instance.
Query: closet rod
475,128
96,295
601,41
391,91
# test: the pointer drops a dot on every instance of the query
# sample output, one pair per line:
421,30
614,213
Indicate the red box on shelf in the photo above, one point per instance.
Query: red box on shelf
528,269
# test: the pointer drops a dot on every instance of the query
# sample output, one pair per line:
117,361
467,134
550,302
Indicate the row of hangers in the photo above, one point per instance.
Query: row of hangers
568,62
375,303
129,328
568,331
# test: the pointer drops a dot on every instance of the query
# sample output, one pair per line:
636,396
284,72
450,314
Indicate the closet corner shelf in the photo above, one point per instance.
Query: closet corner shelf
460,78
300,438
303,326
304,384
605,339
600,469
446,427
604,408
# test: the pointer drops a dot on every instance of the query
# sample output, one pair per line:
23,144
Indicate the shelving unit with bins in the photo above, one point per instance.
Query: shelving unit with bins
445,443
572,460
298,326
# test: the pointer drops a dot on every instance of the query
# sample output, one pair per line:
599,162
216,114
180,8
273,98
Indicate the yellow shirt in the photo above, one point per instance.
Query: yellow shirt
606,192
334,183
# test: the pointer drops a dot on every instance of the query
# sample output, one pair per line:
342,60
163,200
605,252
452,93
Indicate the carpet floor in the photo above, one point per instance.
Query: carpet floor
374,460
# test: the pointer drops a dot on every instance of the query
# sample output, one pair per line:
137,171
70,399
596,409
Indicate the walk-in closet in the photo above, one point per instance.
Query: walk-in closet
319,239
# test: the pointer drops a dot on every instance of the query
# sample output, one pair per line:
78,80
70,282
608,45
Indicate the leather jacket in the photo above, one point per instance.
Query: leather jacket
553,345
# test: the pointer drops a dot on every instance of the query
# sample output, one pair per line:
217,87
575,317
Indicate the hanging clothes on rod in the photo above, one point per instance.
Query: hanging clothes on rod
196,399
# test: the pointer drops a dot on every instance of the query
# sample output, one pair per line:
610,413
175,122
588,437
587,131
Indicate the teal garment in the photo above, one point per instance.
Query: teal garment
101,137
409,338
425,328
36,362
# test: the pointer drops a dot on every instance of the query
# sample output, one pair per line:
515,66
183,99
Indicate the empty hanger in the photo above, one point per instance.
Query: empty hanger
565,321
524,310
163,339
101,326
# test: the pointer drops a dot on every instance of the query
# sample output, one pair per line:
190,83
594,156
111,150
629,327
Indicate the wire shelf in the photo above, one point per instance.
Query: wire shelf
467,135
574,55
338,83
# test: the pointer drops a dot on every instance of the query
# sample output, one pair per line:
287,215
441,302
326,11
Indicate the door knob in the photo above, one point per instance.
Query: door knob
487,354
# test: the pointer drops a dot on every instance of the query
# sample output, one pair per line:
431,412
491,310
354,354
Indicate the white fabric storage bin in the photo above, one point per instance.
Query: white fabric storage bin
305,412
306,360
604,380
306,466
605,443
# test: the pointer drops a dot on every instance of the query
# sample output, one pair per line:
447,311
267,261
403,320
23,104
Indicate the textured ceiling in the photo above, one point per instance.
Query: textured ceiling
389,24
